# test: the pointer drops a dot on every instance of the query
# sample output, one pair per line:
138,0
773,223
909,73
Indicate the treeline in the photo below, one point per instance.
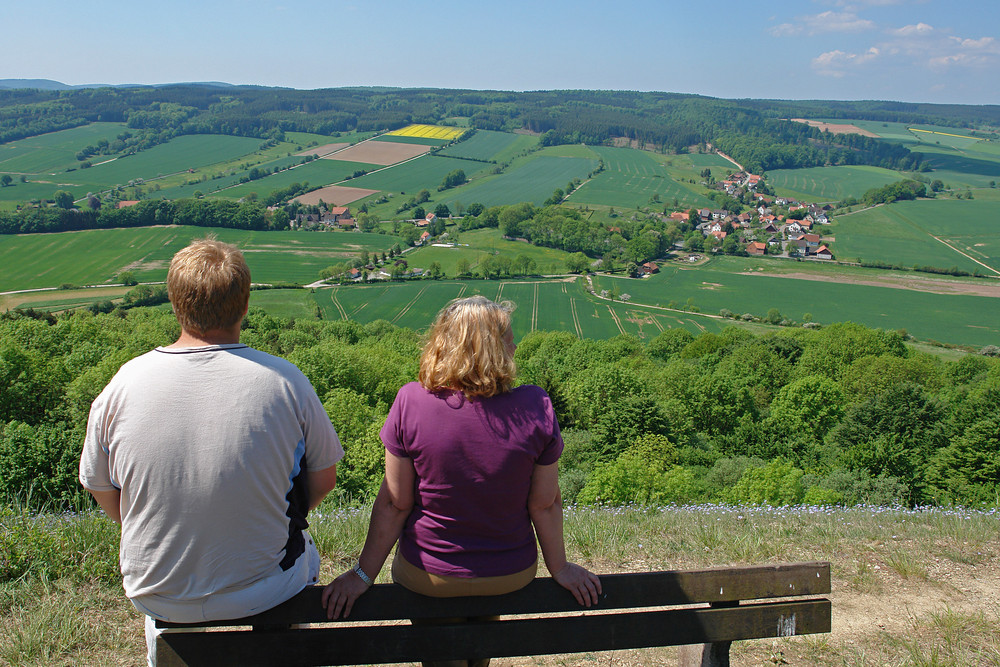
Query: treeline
840,414
902,190
754,132
195,212
633,240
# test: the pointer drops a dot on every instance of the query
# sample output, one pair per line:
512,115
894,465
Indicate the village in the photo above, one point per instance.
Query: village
775,226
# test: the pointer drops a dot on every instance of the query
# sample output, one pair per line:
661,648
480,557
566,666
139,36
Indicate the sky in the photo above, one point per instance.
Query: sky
905,50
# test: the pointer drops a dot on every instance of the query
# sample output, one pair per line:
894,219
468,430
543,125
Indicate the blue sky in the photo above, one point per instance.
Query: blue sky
908,50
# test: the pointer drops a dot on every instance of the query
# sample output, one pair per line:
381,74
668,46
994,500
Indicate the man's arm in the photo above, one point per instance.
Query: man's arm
321,482
110,502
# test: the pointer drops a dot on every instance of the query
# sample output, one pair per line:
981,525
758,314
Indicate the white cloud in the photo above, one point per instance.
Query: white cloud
909,30
823,23
836,63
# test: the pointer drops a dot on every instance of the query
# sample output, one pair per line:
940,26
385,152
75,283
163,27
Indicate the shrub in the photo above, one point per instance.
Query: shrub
632,478
776,483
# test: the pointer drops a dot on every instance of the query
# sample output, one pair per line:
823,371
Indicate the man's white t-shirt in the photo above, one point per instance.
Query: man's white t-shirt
210,447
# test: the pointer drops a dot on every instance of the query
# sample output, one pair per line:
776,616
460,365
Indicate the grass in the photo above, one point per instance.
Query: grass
95,256
425,172
634,179
532,180
485,145
58,613
476,244
818,184
291,303
47,154
748,285
932,232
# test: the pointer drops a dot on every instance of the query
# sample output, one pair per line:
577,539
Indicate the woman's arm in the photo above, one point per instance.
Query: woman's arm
392,506
545,510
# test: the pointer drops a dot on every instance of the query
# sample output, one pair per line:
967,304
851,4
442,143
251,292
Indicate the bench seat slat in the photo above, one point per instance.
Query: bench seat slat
518,637
543,595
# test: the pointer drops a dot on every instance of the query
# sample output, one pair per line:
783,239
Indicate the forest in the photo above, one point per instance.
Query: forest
834,415
754,132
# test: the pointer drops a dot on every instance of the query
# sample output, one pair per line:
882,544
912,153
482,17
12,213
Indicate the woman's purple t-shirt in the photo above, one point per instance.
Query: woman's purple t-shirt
473,461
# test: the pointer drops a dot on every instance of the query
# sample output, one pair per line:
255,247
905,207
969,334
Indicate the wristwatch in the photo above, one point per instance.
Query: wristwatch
361,574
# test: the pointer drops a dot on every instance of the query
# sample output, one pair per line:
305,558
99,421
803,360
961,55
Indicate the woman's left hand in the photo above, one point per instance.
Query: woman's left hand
340,594
581,582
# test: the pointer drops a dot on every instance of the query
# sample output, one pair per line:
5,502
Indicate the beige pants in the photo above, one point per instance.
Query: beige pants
420,581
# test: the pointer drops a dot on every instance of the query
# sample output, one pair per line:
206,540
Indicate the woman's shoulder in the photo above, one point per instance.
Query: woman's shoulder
529,392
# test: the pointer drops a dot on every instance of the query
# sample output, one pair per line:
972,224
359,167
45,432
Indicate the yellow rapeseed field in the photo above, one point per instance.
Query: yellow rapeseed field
429,132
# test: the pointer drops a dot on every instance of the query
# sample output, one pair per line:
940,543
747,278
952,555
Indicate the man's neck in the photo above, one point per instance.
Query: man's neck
203,339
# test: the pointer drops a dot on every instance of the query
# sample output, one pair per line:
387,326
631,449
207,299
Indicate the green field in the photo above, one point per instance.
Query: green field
180,154
828,184
960,161
293,303
540,305
486,145
963,169
95,256
751,285
54,152
317,172
904,233
711,160
474,245
631,179
426,171
532,180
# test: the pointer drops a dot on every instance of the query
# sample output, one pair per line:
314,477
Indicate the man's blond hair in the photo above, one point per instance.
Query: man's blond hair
466,350
209,285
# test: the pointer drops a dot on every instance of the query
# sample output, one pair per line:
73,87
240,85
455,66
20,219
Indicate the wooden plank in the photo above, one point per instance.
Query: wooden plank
543,595
537,636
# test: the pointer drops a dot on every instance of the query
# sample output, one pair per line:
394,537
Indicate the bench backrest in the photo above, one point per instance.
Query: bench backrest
567,629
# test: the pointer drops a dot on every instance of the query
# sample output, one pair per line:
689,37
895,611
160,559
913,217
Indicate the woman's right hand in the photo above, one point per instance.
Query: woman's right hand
340,594
581,582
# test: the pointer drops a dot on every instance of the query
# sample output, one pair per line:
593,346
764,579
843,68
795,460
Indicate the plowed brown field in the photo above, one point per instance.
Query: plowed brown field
379,152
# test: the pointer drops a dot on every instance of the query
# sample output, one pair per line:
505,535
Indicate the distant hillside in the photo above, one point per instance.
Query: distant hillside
49,84
40,84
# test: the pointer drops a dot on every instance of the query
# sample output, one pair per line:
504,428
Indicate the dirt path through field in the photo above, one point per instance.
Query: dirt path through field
902,281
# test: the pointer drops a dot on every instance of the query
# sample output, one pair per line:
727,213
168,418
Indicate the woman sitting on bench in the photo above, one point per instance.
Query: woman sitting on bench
470,467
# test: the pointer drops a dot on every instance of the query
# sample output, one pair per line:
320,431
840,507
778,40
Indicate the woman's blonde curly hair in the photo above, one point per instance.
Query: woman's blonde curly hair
466,351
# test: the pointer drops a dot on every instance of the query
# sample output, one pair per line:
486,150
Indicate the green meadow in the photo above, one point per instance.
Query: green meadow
829,184
530,180
317,172
486,145
476,244
634,179
543,305
96,256
827,293
928,232
424,172
47,154
292,303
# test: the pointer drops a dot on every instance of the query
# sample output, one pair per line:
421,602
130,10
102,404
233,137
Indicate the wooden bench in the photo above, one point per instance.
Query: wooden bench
641,610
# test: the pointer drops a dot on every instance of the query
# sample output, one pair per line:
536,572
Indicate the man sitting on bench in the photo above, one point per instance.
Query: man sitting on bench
210,454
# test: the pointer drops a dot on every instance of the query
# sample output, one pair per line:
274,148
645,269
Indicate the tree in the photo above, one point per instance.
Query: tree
5,180
442,211
63,199
126,278
419,213
577,263
462,267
